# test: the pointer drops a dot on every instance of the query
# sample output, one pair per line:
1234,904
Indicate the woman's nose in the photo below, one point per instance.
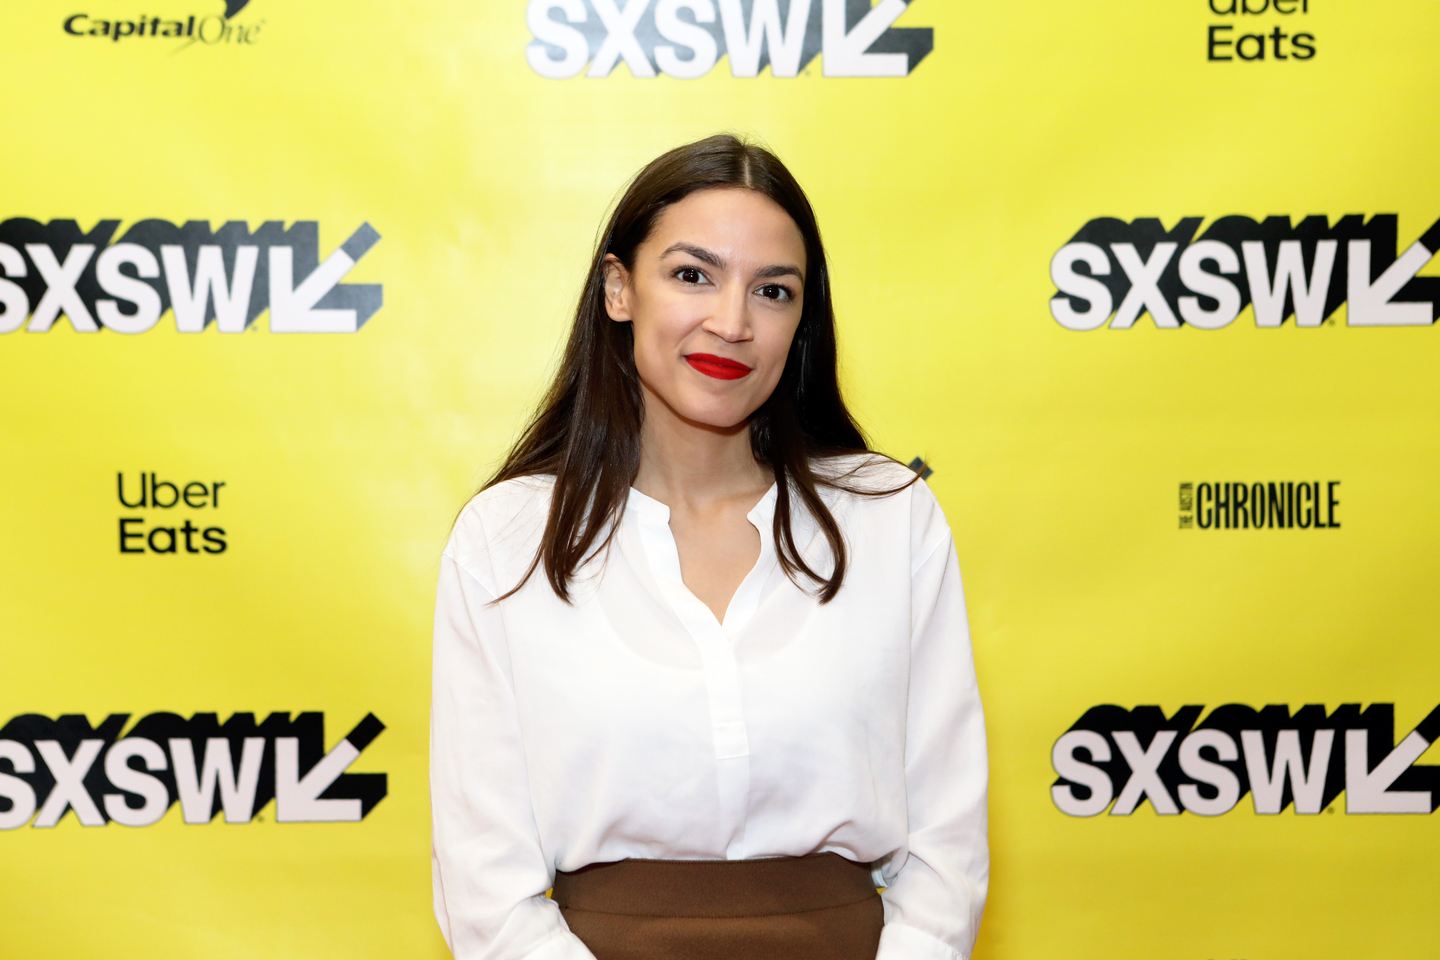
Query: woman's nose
731,319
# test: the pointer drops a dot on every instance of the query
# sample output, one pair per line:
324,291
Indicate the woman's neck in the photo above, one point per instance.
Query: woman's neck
684,462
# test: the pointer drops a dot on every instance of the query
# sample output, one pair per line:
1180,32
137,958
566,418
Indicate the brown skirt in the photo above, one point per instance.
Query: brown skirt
820,907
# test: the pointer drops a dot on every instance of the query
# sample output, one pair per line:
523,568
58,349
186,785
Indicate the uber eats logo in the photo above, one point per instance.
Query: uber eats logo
687,38
224,277
1116,759
1117,271
51,767
1240,39
150,493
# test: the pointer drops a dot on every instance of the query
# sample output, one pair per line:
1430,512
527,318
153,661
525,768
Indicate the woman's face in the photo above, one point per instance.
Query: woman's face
715,298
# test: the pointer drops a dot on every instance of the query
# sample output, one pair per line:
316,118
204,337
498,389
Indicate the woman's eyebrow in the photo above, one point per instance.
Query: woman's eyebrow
718,262
780,270
699,253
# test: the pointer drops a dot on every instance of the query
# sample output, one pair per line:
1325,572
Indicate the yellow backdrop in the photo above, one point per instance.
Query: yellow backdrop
946,185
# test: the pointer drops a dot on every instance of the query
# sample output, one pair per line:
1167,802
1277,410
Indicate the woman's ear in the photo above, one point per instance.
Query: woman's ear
617,289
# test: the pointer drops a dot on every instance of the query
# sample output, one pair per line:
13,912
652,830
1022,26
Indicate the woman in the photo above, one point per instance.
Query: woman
701,659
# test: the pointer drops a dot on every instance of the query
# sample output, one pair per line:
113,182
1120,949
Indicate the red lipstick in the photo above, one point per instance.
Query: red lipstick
720,368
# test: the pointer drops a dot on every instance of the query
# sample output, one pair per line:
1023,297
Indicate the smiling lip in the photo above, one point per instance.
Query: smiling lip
718,367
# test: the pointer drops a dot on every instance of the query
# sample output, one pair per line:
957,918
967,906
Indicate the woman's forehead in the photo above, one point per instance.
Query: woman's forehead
744,222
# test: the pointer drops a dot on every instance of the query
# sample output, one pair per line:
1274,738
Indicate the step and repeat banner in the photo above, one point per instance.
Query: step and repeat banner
1150,286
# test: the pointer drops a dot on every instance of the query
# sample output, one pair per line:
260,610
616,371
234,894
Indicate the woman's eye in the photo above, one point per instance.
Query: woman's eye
774,291
689,275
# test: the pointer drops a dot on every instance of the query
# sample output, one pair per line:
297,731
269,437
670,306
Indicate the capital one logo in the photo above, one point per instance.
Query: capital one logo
227,277
687,38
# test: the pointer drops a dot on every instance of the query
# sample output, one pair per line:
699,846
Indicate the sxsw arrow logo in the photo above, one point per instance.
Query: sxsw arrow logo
1117,759
1118,272
301,799
227,277
49,768
686,38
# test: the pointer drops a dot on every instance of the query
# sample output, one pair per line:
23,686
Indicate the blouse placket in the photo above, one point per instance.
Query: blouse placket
716,643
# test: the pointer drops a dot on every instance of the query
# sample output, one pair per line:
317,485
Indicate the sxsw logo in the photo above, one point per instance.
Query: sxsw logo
1118,271
50,767
227,277
687,38
1117,759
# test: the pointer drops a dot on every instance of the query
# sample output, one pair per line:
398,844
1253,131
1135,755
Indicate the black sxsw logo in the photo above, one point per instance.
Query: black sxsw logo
49,767
227,277
1305,272
1116,758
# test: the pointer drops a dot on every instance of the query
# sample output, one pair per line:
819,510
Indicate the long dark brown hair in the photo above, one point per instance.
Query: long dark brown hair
586,433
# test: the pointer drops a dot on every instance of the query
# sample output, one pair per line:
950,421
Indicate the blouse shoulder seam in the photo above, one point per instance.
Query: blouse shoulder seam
940,542
464,568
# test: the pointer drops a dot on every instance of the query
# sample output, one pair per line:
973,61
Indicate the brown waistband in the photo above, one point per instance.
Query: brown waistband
715,888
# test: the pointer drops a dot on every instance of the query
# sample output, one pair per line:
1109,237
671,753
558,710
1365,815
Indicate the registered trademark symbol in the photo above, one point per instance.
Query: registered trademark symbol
1329,809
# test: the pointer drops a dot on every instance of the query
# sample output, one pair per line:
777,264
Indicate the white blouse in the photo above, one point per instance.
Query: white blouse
631,723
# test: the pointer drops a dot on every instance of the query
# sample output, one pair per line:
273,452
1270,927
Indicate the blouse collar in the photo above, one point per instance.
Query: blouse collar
653,521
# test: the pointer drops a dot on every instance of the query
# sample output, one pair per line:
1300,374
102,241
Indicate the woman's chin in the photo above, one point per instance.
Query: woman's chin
720,424
700,409
722,419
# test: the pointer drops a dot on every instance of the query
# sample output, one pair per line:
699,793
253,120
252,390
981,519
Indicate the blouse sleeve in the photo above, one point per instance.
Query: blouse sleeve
490,873
934,900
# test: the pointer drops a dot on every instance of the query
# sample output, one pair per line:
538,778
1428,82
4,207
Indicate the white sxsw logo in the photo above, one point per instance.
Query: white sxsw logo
183,270
570,33
1240,261
199,770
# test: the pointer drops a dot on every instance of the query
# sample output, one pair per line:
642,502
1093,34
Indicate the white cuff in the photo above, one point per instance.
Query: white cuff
901,942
